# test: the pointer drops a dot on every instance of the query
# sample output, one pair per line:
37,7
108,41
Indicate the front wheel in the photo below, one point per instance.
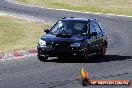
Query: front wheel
42,58
103,51
86,53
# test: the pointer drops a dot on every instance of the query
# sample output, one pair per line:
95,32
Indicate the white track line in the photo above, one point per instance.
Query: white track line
32,5
7,14
20,16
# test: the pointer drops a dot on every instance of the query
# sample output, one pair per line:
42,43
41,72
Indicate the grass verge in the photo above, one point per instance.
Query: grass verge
18,34
122,7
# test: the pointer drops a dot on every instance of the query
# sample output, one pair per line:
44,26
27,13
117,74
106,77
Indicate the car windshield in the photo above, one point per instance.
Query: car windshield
69,27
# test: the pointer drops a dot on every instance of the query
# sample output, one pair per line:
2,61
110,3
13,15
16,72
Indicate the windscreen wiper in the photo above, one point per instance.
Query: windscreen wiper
64,35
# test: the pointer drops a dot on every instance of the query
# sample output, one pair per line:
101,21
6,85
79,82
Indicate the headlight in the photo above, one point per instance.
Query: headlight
78,44
42,42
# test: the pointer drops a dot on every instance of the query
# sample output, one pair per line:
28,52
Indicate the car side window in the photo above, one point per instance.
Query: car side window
97,27
92,27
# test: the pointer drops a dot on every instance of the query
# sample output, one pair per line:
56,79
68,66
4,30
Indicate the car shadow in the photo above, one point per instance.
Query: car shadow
92,59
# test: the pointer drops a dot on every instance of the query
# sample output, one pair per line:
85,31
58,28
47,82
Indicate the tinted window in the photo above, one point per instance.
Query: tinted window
92,27
97,27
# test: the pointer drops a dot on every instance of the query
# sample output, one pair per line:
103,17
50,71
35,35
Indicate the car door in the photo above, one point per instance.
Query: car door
93,39
99,37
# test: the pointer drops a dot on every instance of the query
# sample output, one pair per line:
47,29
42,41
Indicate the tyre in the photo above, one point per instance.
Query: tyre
42,58
103,51
86,52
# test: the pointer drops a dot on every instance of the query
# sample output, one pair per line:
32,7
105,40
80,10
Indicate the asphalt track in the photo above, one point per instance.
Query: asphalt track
31,73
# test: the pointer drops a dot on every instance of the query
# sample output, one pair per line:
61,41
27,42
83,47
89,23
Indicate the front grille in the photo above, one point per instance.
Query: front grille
63,44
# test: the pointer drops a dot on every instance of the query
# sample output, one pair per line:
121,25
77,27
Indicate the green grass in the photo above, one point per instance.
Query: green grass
122,7
18,34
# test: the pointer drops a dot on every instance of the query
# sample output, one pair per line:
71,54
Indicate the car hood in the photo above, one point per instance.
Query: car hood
55,39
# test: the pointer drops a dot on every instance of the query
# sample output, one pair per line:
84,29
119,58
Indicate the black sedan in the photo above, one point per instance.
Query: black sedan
73,36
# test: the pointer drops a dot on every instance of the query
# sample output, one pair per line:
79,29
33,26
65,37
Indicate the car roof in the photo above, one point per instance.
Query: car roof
75,19
78,19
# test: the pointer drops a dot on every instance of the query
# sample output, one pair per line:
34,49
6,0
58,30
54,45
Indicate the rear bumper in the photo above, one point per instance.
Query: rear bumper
55,52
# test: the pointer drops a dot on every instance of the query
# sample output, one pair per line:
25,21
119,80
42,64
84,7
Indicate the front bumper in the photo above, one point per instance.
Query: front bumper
57,51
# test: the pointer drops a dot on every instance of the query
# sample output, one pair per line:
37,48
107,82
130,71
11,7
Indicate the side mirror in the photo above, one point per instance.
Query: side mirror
46,30
93,34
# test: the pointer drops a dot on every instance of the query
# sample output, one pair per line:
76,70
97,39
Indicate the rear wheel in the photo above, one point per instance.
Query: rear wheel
103,51
42,58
